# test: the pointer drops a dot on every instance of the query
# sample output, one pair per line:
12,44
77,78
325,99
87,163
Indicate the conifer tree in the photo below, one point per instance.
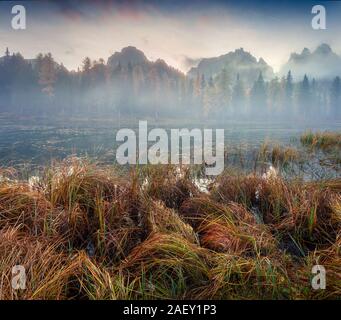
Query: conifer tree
335,97
258,96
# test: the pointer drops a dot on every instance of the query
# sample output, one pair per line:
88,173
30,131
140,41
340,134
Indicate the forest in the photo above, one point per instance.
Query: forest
140,87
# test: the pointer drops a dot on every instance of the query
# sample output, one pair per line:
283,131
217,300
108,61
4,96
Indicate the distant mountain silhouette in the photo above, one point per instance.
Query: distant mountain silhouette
238,62
233,85
136,58
322,63
127,55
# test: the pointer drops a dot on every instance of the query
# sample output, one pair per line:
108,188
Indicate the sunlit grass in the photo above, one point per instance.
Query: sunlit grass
84,231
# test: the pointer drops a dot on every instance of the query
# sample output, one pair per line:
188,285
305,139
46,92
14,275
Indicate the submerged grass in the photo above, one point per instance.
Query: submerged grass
88,232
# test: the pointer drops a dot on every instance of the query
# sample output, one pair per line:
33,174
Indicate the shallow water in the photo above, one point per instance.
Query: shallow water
35,142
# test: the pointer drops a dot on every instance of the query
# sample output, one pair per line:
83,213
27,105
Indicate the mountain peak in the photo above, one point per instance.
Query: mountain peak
261,61
323,49
311,62
305,52
239,51
128,55
131,50
235,62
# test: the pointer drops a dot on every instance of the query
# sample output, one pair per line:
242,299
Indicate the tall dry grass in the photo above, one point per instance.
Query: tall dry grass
88,232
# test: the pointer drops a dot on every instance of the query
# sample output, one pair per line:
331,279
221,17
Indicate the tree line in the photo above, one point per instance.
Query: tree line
42,87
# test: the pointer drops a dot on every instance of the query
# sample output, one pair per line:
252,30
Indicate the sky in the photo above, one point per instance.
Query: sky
179,32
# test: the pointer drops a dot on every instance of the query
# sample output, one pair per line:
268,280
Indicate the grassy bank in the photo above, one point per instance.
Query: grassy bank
87,232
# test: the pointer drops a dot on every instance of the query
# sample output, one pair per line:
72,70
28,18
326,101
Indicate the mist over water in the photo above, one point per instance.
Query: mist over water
36,142
48,111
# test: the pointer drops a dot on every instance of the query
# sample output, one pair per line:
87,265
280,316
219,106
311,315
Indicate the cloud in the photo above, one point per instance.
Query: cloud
181,34
70,9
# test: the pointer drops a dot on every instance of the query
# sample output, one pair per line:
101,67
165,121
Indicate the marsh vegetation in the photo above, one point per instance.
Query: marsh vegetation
89,231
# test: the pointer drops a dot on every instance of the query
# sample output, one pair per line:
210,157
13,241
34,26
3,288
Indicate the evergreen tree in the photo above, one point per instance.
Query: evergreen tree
208,99
304,97
274,96
258,96
47,75
86,65
314,98
224,92
238,97
335,97
202,90
288,106
197,88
